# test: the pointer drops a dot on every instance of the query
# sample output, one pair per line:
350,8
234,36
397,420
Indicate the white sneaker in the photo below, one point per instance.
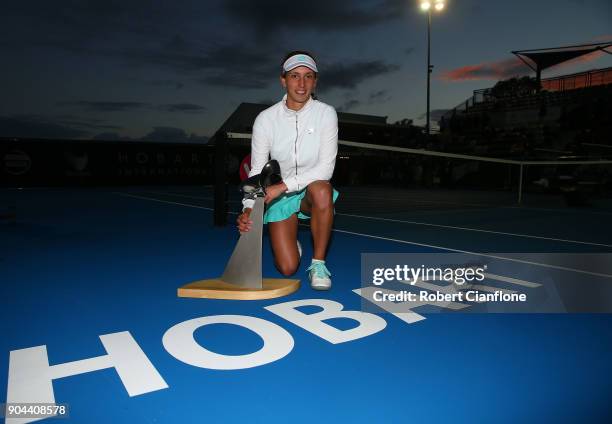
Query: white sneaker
319,275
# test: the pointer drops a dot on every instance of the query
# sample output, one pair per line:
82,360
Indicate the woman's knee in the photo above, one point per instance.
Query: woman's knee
320,194
287,268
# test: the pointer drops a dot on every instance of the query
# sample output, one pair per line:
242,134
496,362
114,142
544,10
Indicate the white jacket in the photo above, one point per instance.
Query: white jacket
304,143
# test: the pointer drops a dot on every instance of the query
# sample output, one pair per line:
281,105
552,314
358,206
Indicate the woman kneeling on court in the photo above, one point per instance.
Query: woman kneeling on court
301,133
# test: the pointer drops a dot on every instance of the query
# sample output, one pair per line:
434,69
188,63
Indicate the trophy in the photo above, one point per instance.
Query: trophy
242,278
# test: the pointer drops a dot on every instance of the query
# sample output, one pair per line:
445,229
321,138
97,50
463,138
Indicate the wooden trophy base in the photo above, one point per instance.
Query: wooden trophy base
218,289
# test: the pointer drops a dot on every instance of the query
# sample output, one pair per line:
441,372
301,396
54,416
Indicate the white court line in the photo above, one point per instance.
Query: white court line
474,229
430,212
162,201
486,205
187,196
438,202
435,202
580,271
511,280
534,208
352,196
179,195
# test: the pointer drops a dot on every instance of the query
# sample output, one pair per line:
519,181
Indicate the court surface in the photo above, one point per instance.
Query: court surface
77,264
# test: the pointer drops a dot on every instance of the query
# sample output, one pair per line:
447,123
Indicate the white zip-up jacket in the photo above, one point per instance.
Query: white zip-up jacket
304,142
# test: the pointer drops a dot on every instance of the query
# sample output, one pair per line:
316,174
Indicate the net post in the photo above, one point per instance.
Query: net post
520,187
220,191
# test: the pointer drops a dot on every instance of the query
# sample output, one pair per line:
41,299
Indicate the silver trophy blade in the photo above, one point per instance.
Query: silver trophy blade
244,266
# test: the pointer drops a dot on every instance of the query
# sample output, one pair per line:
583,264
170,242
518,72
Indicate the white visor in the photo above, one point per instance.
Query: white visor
299,60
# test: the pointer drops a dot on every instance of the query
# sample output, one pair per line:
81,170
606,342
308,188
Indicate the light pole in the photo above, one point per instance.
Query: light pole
426,7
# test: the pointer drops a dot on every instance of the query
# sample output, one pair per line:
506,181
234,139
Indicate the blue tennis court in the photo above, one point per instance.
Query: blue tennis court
93,273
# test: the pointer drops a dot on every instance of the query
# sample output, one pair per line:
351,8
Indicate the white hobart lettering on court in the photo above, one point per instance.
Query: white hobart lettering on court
30,378
402,312
179,342
368,323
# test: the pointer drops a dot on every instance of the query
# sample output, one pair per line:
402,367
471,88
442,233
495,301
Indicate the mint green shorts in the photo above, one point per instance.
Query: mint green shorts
286,205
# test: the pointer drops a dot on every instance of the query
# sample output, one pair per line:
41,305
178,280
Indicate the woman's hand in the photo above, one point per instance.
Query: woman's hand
273,191
244,221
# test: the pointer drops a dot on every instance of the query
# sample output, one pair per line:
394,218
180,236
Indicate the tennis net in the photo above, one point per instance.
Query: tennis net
407,178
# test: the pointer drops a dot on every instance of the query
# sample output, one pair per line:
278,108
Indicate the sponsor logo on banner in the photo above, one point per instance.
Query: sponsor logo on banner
17,162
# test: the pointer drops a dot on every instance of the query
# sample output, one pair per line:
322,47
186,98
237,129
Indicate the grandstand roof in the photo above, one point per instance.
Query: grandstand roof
242,118
545,58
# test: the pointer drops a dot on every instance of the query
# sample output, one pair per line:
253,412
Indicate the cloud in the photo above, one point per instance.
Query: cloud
592,3
77,22
36,126
83,123
173,135
220,64
268,17
32,126
91,126
602,38
111,136
139,34
194,138
379,97
226,66
236,79
133,32
507,68
167,83
96,106
166,134
177,44
499,70
180,62
349,75
348,105
182,107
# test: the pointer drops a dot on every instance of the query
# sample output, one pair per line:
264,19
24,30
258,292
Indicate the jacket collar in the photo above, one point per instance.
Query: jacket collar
292,112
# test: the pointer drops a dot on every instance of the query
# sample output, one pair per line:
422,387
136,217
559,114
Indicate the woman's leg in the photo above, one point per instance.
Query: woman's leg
283,235
319,204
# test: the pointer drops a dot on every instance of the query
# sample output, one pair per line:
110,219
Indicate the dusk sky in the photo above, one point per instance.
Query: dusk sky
176,70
